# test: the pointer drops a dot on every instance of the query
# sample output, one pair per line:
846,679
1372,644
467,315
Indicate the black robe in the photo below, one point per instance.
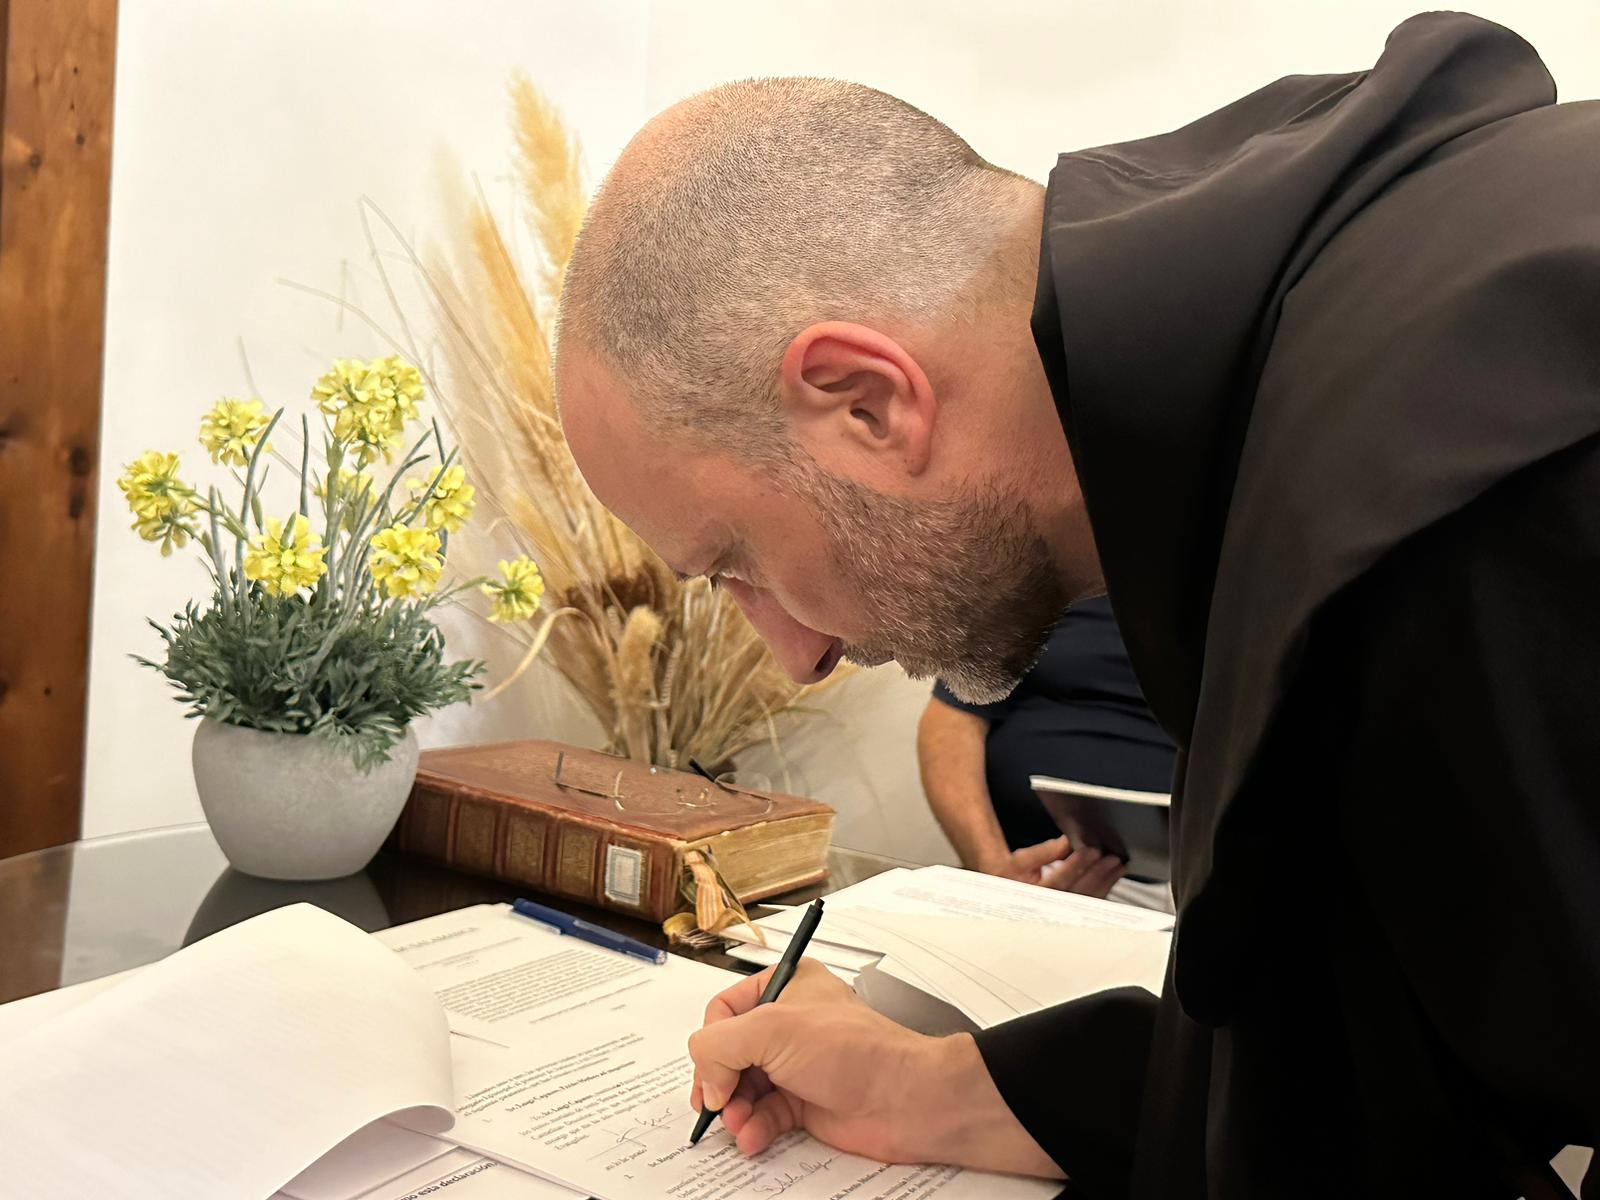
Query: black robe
1328,361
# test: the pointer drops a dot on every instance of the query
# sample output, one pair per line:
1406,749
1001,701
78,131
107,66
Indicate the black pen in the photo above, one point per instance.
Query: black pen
781,974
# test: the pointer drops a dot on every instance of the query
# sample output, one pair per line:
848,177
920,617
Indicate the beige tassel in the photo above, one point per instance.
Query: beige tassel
715,906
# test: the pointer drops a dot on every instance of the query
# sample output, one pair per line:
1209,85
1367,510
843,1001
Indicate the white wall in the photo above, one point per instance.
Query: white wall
244,133
1024,80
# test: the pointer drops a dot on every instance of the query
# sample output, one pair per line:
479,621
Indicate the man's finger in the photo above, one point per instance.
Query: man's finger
1098,880
773,1116
1034,858
752,1086
724,1048
736,1112
1065,875
755,1083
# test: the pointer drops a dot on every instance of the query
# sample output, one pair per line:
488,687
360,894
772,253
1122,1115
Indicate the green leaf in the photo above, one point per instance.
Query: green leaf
355,670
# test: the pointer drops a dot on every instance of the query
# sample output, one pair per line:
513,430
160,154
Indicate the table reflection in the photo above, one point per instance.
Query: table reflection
95,907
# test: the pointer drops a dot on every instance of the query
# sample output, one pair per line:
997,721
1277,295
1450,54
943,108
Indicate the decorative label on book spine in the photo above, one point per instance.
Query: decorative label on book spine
625,875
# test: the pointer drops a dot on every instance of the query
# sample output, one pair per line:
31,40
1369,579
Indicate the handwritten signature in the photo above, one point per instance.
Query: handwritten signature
784,1180
634,1132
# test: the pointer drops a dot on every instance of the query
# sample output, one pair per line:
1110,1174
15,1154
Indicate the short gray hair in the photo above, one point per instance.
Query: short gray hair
754,210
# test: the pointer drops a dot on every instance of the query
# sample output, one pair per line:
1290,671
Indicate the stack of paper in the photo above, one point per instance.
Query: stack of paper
296,1056
943,949
294,1039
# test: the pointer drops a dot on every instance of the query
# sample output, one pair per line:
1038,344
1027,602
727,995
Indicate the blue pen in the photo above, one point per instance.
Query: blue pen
584,931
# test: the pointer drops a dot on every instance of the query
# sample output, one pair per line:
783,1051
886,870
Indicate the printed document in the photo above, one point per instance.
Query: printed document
558,1068
587,1083
942,950
224,1070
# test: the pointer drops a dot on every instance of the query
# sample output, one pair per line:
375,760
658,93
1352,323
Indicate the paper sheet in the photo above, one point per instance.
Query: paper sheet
500,976
282,1035
463,1175
20,1018
994,979
776,927
266,1045
375,1155
831,954
466,1176
908,1005
991,949
597,1097
371,1156
763,957
951,892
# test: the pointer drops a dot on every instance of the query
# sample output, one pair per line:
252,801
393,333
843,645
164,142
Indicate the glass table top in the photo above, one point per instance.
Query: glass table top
91,908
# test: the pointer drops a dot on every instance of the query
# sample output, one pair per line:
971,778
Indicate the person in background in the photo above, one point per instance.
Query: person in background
1079,715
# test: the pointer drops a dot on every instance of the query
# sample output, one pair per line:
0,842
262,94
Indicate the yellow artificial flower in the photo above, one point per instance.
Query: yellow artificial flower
354,491
451,501
161,503
153,488
370,403
170,531
349,485
231,430
516,596
405,562
286,563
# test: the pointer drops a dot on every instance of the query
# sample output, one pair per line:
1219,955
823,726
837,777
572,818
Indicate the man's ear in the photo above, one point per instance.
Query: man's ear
857,401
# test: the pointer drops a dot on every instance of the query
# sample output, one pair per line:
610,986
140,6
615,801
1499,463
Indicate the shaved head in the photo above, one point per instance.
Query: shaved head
747,213
794,355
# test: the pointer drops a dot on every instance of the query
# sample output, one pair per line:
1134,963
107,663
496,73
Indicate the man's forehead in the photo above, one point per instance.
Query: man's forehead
648,483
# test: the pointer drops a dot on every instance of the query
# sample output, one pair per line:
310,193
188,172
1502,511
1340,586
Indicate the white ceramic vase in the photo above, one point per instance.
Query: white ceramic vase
288,806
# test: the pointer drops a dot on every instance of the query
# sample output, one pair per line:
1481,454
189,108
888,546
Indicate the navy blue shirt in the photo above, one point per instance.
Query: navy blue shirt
1079,714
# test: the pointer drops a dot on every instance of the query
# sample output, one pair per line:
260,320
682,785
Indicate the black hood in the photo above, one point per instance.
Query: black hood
1166,262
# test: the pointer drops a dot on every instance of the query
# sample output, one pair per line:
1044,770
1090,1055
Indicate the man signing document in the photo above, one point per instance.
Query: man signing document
1310,388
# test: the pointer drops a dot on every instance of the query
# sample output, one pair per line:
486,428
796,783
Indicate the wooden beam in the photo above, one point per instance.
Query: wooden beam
56,63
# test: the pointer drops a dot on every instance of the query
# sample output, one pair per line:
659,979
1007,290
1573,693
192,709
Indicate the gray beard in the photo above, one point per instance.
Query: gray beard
962,590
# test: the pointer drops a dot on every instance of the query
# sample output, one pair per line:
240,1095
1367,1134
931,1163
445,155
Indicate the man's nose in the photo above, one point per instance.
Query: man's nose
800,650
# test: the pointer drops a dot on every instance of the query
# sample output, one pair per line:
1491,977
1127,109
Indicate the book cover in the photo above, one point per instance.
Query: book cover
603,830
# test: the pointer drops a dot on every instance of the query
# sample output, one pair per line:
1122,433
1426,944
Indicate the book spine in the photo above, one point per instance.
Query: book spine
558,854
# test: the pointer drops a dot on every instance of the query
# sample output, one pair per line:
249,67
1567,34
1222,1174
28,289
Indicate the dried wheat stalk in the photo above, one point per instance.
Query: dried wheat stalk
672,670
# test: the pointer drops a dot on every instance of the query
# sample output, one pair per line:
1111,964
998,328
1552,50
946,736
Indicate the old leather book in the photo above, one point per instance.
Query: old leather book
602,830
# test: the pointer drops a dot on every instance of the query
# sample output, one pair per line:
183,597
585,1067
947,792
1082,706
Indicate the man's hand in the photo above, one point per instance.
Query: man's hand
819,1059
951,746
1055,864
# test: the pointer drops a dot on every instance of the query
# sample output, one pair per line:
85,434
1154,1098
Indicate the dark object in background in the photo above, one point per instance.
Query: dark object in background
1132,826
